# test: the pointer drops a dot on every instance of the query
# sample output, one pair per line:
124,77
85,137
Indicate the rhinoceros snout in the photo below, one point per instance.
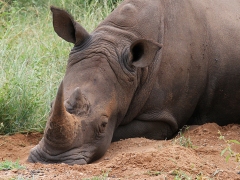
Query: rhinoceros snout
69,157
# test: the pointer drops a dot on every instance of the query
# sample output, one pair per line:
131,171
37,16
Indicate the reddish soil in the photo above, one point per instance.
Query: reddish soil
137,158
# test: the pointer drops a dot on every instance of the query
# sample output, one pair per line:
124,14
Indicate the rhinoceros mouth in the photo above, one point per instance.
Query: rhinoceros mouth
71,157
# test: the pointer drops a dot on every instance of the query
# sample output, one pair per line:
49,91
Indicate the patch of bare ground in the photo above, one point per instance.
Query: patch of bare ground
137,158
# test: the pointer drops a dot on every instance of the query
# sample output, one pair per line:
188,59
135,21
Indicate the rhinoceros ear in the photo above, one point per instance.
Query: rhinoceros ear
143,52
68,29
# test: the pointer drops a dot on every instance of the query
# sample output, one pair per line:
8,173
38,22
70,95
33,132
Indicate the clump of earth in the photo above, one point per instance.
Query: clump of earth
196,153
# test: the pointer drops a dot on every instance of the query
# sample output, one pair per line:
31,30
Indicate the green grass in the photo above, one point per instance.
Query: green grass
103,176
8,165
33,58
182,140
153,173
227,151
181,175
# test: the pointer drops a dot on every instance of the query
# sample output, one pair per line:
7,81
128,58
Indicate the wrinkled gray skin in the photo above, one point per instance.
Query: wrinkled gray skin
148,69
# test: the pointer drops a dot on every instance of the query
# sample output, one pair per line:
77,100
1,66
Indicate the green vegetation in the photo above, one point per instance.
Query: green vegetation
33,58
182,140
181,175
154,173
8,165
103,176
228,152
19,178
178,175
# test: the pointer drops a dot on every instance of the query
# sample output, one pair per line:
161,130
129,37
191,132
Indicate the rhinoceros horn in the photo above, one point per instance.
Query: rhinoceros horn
61,126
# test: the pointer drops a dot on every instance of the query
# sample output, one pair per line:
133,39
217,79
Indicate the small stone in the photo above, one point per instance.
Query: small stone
124,169
14,170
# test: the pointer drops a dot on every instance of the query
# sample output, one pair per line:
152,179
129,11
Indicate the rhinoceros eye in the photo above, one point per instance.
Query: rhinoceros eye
102,127
103,124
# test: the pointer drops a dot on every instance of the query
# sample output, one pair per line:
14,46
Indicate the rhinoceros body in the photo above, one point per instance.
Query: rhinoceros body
148,69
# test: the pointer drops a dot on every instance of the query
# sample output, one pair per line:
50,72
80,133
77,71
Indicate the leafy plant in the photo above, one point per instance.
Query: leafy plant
182,140
19,177
154,173
228,152
180,175
8,165
103,176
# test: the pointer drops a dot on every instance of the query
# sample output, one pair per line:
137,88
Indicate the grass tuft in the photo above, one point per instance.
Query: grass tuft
227,151
8,165
182,140
153,173
103,176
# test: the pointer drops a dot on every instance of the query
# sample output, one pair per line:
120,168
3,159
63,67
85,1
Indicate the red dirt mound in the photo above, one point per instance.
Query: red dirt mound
139,158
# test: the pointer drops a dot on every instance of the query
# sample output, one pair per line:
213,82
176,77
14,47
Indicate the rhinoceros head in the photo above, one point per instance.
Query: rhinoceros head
101,78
